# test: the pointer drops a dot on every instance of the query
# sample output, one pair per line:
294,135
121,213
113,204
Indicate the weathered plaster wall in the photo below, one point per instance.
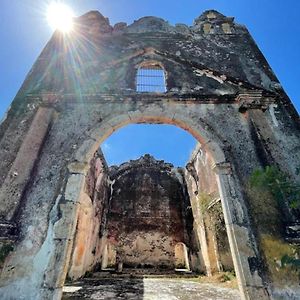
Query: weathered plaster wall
209,223
69,139
88,243
145,219
220,89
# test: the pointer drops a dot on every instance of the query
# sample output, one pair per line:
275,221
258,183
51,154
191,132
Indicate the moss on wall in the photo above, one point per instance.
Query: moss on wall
265,211
271,193
204,201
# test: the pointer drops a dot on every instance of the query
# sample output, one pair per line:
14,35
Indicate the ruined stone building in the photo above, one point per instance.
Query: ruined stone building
65,212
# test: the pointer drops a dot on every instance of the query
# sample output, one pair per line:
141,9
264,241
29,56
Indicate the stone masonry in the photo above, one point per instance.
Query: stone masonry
82,88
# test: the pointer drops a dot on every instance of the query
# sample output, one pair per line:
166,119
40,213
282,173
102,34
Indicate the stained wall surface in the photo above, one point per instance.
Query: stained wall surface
219,88
209,226
146,215
91,221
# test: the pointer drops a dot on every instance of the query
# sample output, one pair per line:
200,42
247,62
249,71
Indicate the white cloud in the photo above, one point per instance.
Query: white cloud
105,146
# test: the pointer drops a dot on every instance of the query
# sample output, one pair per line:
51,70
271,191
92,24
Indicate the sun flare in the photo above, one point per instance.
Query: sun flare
60,17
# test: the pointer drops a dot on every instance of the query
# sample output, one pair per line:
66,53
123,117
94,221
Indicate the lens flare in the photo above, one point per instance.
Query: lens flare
60,17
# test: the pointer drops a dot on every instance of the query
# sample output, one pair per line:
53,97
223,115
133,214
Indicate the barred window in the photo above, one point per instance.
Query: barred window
151,78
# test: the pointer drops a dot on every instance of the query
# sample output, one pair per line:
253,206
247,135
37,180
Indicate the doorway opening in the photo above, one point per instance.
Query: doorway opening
147,216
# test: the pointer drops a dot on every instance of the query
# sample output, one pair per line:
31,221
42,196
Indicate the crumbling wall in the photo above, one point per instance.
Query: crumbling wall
88,244
219,88
145,218
276,138
209,223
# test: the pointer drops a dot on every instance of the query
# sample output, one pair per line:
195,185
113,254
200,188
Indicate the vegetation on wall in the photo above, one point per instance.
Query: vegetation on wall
204,201
215,214
216,234
278,184
273,196
282,259
211,210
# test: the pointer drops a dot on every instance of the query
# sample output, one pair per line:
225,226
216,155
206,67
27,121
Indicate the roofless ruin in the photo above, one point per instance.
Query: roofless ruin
64,212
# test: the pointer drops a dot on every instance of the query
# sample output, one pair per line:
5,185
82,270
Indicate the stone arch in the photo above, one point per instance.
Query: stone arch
208,139
49,115
239,236
61,234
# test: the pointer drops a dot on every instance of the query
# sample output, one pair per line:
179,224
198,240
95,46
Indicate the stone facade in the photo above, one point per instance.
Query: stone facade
83,87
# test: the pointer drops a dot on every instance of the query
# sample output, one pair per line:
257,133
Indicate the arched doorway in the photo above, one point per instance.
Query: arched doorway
225,181
64,213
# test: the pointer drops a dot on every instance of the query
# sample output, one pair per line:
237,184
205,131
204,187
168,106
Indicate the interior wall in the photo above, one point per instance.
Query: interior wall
89,242
209,225
145,219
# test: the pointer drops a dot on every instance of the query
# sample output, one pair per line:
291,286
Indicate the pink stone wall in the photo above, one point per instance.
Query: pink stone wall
88,245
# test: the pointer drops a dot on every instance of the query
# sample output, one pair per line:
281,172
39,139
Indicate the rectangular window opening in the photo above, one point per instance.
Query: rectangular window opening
151,79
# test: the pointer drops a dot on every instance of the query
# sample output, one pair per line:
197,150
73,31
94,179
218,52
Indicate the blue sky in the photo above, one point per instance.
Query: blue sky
274,24
166,142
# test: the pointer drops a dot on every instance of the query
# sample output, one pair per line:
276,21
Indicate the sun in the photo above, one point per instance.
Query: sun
60,17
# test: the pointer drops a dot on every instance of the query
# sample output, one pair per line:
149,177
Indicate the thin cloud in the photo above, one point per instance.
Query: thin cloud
106,146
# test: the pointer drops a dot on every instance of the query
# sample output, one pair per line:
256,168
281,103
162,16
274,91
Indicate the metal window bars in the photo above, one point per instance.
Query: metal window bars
151,79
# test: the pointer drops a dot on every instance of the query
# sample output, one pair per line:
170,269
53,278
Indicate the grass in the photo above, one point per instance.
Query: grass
223,279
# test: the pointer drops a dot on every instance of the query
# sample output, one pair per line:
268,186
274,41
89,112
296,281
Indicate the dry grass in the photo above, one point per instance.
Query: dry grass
274,249
223,279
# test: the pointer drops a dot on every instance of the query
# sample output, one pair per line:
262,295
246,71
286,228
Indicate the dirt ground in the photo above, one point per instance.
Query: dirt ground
149,289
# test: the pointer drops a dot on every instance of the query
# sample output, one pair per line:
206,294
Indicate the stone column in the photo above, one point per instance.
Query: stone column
240,239
19,175
61,235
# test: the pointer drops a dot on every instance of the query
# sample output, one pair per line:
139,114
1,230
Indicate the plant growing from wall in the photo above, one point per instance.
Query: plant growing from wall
289,260
278,184
212,211
204,201
272,191
282,259
216,215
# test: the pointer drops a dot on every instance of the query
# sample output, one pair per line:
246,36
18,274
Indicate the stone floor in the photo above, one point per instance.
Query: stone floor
147,289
